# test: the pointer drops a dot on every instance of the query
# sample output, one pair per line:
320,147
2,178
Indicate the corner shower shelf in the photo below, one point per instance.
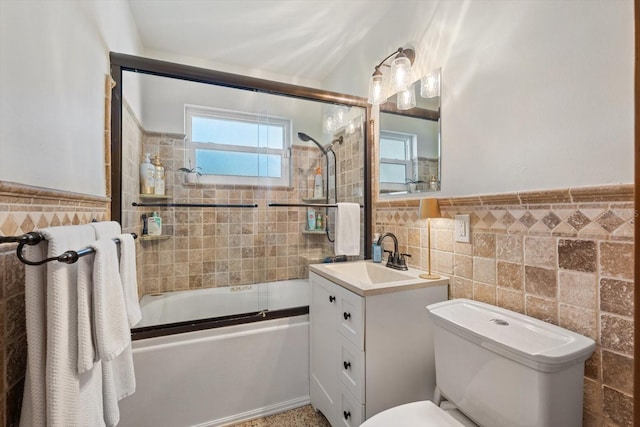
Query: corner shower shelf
313,231
154,196
147,237
315,200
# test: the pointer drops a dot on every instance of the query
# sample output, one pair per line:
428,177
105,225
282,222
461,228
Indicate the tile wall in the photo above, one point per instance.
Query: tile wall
23,209
565,257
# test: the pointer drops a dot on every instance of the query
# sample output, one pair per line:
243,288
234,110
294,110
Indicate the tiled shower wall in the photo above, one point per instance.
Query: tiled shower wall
23,209
565,257
211,247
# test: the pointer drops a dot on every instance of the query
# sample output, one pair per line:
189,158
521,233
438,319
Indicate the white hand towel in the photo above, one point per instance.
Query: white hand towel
86,345
129,279
347,239
55,394
106,229
112,334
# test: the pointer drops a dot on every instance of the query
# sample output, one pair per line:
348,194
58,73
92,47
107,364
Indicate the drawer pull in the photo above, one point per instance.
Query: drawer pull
347,415
347,365
332,298
346,315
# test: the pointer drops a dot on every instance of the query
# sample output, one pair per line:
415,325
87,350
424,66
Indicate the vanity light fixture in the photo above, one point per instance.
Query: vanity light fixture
400,76
429,208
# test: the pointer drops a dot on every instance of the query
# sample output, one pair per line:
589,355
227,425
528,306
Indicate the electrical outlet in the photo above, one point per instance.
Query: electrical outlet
462,229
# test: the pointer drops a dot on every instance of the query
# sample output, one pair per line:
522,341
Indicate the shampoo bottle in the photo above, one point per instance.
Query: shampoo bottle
147,175
317,184
158,187
154,225
319,221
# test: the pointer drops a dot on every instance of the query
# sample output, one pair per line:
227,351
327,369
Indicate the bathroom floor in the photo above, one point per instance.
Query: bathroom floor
305,416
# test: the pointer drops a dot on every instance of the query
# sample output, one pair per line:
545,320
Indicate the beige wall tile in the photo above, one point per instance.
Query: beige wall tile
510,299
510,275
540,281
484,293
510,248
616,260
578,255
578,289
617,334
580,320
540,251
484,270
484,245
543,309
463,266
616,296
617,371
618,407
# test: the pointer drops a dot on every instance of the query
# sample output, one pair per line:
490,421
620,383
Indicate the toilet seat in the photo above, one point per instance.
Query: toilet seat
416,414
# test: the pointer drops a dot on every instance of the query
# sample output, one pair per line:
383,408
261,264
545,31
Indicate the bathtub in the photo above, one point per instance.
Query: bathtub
224,303
230,372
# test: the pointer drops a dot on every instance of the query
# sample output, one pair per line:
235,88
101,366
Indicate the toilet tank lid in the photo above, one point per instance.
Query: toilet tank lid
530,341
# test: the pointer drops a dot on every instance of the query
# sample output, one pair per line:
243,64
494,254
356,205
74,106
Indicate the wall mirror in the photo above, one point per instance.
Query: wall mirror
409,145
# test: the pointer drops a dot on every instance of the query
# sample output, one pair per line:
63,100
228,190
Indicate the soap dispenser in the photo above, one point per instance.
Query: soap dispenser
159,177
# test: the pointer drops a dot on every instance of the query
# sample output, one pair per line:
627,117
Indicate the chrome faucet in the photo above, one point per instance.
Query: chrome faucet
395,259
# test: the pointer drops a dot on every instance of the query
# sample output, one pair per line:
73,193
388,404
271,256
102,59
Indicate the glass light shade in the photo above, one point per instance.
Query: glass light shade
400,73
340,117
406,99
430,85
328,124
376,90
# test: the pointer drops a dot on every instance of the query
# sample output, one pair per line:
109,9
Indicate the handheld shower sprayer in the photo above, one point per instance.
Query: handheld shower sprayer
329,147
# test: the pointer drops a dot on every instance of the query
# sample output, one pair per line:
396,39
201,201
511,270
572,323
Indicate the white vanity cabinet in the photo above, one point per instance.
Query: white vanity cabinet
371,349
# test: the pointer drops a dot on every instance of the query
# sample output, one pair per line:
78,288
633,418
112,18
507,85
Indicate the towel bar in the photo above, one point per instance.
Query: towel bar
34,237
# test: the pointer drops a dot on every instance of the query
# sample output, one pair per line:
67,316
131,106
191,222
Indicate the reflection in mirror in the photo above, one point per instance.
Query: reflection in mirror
409,143
245,144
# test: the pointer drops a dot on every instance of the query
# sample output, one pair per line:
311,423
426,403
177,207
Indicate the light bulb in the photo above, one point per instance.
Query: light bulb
400,73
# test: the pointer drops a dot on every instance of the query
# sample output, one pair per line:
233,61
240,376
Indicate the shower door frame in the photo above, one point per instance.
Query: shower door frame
122,62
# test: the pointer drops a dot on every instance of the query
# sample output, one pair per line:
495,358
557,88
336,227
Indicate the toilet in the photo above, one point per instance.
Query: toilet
497,368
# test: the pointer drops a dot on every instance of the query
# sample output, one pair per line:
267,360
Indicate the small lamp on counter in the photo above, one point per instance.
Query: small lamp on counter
429,209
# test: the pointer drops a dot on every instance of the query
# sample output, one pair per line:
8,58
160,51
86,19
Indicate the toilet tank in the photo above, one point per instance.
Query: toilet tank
502,368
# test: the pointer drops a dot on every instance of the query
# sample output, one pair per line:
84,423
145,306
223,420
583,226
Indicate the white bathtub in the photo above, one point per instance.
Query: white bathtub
182,306
223,375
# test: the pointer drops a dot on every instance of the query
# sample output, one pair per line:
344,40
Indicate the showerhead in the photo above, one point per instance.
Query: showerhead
329,147
304,137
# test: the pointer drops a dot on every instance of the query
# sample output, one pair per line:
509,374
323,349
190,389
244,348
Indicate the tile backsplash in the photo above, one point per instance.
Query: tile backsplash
565,257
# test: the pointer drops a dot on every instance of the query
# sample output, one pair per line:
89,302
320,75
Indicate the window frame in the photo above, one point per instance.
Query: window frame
239,116
410,141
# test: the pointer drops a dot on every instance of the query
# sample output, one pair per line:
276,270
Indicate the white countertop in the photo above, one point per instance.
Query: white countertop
367,278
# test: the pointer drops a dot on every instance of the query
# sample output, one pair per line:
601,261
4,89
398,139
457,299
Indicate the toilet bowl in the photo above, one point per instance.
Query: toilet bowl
419,414
498,368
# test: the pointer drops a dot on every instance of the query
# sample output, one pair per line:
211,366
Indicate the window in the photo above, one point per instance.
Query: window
397,151
239,148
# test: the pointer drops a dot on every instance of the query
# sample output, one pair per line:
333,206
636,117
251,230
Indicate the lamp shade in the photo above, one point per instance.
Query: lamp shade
376,89
429,208
400,73
430,85
406,99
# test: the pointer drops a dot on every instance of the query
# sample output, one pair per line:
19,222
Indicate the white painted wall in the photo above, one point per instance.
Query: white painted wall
537,94
54,58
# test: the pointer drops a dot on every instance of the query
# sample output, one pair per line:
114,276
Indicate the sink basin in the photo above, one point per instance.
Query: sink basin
367,278
368,273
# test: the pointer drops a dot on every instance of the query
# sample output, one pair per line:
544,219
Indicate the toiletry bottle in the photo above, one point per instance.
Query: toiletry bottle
154,225
311,219
376,249
319,221
317,185
145,227
433,183
159,177
147,174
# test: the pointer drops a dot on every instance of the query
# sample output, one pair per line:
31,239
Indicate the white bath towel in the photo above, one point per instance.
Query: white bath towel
347,239
55,393
118,376
128,278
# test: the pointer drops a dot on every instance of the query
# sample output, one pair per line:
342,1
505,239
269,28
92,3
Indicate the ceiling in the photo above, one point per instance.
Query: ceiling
297,38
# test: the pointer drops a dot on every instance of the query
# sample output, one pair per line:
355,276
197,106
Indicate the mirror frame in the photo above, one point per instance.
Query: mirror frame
121,62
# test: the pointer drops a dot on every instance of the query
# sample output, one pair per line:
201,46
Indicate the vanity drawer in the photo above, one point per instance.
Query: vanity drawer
351,370
351,411
351,319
